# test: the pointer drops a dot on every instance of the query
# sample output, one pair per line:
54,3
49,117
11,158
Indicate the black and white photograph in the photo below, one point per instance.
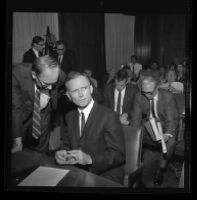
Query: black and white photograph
98,97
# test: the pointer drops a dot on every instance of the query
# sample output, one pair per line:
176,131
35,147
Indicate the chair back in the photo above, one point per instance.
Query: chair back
180,102
133,143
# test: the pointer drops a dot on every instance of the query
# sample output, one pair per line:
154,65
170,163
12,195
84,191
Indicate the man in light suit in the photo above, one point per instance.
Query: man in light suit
99,145
37,47
166,112
44,76
128,92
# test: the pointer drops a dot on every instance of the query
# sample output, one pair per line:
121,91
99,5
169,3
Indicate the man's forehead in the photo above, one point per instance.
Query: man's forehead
148,84
78,82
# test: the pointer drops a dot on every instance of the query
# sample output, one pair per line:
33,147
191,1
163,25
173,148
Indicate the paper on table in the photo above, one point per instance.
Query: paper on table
44,176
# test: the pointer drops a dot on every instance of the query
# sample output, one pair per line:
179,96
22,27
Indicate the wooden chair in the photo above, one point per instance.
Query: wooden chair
133,166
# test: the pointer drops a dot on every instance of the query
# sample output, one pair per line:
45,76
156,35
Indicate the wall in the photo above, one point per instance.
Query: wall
119,39
160,37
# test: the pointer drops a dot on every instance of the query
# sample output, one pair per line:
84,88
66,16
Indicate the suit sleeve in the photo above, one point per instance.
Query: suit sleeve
64,137
136,114
27,58
17,127
114,153
106,97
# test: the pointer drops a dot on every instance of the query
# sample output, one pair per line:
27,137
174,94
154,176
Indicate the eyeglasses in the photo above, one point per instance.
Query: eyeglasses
59,49
148,93
44,85
41,45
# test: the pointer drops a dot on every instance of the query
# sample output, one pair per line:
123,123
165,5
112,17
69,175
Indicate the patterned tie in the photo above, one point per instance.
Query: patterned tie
82,122
36,127
118,103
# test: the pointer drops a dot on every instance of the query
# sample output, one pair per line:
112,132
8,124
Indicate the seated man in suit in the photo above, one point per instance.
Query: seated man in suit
94,138
37,47
35,89
66,58
119,96
156,109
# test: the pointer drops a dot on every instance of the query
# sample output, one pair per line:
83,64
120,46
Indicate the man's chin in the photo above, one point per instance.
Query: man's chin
82,105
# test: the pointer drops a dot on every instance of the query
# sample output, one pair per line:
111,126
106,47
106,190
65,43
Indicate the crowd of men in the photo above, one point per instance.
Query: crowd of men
48,89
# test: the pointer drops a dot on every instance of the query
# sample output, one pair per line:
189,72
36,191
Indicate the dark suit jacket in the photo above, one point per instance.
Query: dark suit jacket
102,139
29,56
166,108
130,92
23,102
69,61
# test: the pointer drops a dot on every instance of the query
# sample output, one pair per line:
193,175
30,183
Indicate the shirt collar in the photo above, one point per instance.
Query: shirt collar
36,52
87,109
156,96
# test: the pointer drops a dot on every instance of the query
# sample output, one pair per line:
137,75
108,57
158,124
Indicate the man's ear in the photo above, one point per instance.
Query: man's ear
33,75
91,89
68,95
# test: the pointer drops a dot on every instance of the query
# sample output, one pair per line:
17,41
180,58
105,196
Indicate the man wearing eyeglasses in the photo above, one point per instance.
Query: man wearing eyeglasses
157,108
35,89
66,58
37,47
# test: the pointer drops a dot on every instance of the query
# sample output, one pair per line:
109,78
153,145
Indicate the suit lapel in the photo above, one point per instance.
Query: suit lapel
75,127
126,96
159,102
29,85
91,118
112,96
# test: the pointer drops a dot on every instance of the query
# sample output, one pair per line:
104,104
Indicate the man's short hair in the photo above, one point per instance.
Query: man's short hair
134,56
44,62
126,67
121,75
151,75
74,74
36,39
60,42
169,71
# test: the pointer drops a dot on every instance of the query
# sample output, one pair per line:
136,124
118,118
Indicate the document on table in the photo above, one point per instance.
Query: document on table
44,176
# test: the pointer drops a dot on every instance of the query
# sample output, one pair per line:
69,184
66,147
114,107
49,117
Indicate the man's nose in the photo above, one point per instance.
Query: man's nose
80,93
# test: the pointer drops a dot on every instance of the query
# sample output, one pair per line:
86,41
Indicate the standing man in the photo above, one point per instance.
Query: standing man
37,48
135,67
156,109
94,138
119,96
66,58
35,89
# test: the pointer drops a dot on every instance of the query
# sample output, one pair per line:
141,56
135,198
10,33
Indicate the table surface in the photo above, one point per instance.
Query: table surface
25,162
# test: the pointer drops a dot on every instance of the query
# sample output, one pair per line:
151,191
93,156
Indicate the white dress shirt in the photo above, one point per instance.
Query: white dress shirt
60,59
86,112
116,92
137,67
36,52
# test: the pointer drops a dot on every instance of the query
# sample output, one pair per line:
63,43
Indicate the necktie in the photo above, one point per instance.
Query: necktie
82,122
59,60
36,127
152,110
134,76
118,103
40,54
